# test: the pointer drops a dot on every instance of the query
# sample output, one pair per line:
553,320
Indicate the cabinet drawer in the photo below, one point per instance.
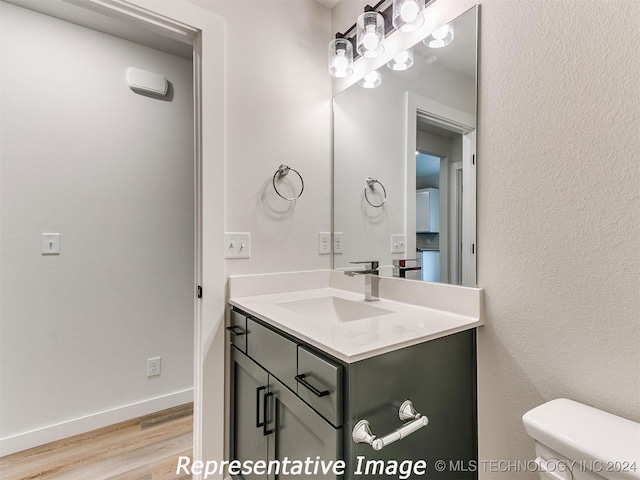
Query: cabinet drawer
238,330
320,385
275,353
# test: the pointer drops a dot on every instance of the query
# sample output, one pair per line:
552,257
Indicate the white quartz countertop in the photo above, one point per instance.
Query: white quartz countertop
397,325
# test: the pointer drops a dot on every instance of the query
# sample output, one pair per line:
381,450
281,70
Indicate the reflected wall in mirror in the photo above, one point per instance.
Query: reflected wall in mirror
404,165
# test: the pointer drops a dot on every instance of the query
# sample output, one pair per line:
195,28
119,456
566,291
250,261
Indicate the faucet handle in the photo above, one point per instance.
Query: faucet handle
374,263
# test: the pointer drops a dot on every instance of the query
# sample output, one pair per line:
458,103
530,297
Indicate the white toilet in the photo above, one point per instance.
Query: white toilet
578,442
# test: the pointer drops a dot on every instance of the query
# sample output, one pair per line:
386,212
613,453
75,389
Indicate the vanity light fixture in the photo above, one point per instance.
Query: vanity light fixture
407,15
402,61
340,57
370,33
371,80
365,37
442,37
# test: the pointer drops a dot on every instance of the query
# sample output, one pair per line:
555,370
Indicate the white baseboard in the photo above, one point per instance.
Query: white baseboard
41,436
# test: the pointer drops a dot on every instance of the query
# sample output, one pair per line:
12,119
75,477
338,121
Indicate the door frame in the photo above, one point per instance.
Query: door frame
203,29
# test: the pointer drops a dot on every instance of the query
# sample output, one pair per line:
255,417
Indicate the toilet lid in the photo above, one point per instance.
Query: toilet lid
584,433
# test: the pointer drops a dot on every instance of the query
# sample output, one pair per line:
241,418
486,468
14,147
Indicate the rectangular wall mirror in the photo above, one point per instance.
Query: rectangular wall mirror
404,163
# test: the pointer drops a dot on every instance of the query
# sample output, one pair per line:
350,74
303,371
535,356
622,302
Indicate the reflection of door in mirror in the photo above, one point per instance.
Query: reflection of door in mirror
436,222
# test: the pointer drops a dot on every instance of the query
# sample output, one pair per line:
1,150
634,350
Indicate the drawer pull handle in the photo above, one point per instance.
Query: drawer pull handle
362,432
258,422
301,379
232,329
265,430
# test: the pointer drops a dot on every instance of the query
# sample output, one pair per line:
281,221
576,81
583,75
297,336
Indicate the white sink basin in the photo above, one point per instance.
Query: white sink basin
333,309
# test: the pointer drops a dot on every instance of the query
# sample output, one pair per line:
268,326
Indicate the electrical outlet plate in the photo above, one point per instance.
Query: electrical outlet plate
398,244
153,366
337,242
324,243
237,245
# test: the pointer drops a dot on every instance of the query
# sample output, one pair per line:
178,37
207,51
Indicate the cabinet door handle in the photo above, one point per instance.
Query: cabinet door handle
301,379
258,422
232,329
265,430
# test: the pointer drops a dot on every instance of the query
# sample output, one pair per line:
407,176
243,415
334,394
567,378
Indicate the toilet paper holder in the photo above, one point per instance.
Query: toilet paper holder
362,431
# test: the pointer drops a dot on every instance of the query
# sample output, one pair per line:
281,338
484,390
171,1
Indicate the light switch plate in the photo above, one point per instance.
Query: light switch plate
398,244
50,244
237,245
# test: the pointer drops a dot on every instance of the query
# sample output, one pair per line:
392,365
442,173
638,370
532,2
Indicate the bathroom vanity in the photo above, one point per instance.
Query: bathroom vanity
308,366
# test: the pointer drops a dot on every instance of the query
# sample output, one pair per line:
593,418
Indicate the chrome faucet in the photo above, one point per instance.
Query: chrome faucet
371,280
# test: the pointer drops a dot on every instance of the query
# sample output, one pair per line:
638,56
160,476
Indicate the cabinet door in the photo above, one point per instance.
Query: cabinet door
301,433
249,385
428,210
422,211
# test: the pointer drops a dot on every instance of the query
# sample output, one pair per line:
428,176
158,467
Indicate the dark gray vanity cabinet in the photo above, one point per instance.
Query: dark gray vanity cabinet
288,399
269,422
439,377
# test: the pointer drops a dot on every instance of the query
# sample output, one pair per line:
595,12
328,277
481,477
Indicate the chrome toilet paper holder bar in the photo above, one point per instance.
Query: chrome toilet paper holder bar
362,431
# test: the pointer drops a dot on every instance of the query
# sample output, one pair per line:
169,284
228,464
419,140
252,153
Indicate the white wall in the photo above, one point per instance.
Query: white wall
278,110
112,171
558,223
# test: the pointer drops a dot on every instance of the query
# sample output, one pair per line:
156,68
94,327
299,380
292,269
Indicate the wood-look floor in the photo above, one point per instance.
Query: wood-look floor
146,448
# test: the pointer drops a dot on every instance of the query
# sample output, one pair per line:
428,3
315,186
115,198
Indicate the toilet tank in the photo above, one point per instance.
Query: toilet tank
589,441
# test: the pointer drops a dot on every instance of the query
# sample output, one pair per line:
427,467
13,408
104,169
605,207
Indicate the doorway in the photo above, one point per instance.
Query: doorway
118,188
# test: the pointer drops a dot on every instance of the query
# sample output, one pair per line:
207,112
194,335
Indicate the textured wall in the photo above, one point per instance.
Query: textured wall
558,211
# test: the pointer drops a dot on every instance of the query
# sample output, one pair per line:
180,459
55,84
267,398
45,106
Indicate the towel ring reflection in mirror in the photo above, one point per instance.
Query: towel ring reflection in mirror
370,181
282,171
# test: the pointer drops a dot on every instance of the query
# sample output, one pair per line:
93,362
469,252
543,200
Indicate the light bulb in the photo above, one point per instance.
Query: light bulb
441,37
370,39
371,77
409,11
371,80
340,58
370,34
340,63
402,61
402,58
440,33
406,15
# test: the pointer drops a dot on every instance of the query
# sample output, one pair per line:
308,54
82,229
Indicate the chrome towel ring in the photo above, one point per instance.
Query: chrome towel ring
370,181
282,171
